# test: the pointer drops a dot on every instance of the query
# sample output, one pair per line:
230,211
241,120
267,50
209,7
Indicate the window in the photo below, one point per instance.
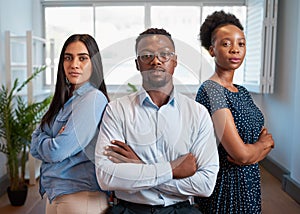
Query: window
183,23
261,44
116,29
60,23
116,24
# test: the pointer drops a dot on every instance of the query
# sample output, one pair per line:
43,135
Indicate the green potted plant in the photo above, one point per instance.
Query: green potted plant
18,120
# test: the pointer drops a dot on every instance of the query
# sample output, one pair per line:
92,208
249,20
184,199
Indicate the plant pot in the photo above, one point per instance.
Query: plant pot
17,197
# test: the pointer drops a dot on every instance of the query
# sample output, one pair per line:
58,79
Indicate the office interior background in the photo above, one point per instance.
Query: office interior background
275,86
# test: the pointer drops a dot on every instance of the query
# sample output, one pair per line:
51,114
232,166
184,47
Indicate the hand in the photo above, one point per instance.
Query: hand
266,138
184,166
261,157
121,153
267,142
61,130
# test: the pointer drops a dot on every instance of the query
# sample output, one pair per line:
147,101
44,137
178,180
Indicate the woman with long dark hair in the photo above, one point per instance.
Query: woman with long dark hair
66,137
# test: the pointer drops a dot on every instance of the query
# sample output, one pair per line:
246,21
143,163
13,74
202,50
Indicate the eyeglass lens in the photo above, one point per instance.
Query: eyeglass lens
162,56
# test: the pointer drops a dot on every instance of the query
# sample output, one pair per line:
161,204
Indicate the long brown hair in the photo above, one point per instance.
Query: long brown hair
62,89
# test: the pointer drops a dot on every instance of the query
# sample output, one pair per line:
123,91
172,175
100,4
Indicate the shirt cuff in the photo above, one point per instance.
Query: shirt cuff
164,172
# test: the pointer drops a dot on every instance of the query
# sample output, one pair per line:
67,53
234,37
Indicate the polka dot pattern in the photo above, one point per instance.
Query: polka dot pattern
238,187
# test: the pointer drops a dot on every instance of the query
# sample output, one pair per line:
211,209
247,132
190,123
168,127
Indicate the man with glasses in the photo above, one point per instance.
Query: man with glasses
156,148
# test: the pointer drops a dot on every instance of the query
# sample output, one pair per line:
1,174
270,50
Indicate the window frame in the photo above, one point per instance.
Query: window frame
265,78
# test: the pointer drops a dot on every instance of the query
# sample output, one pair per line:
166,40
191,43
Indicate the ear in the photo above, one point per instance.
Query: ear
175,60
137,64
211,51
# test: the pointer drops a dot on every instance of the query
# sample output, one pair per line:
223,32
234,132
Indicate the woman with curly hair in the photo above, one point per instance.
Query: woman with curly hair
239,124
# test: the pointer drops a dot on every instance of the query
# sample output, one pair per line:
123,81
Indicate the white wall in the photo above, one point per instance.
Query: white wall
18,17
282,109
295,159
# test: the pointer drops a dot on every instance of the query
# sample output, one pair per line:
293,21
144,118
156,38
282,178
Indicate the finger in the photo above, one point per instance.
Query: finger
61,130
119,150
107,148
116,148
112,154
121,144
264,131
115,157
114,160
117,142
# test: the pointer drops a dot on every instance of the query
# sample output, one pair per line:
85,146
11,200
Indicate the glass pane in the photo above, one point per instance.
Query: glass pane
116,30
62,22
183,23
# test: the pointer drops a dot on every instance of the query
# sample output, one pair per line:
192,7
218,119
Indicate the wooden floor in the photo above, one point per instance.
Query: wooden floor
275,201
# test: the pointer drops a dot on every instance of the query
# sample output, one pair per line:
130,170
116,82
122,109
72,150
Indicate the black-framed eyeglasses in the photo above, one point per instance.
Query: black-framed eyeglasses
148,57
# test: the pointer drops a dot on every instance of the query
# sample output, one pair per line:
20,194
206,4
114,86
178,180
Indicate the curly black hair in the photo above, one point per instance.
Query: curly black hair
153,31
213,21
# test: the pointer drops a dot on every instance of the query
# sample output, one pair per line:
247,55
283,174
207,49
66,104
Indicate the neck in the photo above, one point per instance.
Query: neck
225,79
160,96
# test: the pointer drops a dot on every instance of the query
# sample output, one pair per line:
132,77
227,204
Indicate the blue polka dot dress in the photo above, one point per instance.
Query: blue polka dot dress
238,187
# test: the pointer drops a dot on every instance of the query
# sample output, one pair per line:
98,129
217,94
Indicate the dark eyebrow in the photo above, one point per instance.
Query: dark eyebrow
80,54
83,54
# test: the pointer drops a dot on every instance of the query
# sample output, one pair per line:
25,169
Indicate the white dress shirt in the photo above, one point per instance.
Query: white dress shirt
158,136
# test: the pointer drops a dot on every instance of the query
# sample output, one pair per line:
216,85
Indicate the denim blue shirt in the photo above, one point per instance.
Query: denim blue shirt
68,158
158,136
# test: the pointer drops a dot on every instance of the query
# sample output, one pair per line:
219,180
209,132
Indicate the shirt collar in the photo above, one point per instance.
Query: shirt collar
82,89
144,97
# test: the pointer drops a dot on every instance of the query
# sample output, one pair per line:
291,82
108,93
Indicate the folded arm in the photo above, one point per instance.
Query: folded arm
128,176
71,135
120,152
239,152
191,175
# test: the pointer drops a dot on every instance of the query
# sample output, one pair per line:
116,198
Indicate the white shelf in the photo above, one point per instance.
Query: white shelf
32,58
